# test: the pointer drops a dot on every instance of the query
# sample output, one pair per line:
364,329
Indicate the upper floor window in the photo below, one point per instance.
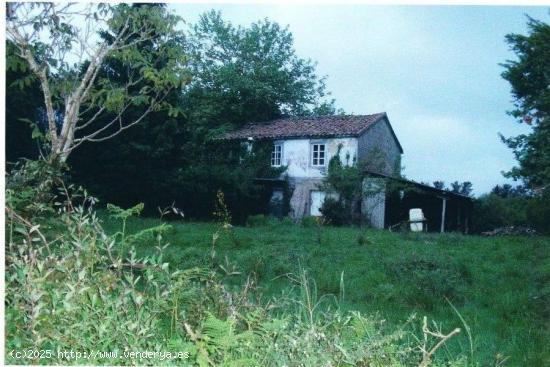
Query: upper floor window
318,155
277,155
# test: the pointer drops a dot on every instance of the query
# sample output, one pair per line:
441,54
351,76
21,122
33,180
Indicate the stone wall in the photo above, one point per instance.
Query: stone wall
378,139
296,155
303,178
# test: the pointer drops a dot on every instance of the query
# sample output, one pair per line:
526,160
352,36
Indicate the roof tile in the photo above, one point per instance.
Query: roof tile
306,127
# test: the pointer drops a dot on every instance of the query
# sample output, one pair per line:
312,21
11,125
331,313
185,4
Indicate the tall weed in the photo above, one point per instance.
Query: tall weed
74,287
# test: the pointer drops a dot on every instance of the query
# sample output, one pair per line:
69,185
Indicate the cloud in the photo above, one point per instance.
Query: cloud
448,148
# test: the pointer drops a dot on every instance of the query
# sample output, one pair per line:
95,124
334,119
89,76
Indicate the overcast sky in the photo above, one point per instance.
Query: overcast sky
434,70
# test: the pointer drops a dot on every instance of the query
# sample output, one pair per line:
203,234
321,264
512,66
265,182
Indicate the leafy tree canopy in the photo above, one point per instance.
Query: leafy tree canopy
244,74
509,191
463,188
239,75
529,77
59,44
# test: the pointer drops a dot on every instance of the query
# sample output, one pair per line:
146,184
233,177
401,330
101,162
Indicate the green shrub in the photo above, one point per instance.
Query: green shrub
334,212
35,188
78,288
362,240
492,211
82,296
81,281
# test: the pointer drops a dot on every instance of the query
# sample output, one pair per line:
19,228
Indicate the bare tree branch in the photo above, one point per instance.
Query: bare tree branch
428,354
49,55
91,120
92,137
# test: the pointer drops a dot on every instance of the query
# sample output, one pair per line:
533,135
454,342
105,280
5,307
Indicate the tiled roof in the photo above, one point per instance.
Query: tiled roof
307,127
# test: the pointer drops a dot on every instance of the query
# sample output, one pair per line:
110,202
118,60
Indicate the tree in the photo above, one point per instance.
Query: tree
440,185
245,74
463,188
529,77
508,191
240,74
61,46
347,181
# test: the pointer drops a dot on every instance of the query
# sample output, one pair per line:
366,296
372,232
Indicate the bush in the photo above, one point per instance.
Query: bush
492,211
87,291
33,187
117,302
334,212
84,280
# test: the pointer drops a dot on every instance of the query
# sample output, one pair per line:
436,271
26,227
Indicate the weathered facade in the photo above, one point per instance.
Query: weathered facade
306,145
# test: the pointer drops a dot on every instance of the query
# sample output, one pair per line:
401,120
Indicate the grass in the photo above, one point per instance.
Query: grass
498,287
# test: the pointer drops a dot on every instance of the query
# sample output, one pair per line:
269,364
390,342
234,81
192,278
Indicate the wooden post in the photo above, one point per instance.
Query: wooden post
444,207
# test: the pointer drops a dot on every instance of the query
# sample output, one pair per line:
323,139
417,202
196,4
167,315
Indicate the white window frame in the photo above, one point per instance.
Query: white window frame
277,155
318,154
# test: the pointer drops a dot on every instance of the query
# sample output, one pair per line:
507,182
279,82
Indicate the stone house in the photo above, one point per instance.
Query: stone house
305,145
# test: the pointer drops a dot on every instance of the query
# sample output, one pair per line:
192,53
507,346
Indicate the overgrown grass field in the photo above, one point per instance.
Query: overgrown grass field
495,289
